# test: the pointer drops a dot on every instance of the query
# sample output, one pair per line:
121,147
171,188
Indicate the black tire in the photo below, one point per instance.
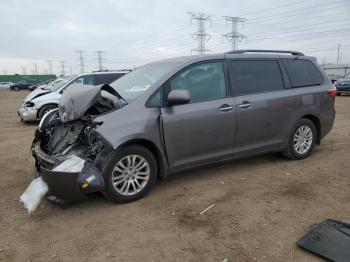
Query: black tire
133,149
16,88
45,109
291,152
338,94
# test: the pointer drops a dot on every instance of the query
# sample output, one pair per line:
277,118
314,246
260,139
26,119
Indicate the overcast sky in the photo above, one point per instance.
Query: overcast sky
132,33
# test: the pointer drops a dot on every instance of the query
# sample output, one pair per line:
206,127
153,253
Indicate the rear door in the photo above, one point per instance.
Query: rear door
265,105
203,130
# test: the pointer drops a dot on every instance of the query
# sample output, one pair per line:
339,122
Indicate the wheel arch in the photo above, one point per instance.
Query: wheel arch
43,105
316,121
155,150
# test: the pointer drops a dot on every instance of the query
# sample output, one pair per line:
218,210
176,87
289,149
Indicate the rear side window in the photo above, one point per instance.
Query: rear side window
255,76
302,72
106,78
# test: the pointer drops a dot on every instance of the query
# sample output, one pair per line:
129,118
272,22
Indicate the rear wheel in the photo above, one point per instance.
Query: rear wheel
130,174
338,94
302,140
45,109
16,88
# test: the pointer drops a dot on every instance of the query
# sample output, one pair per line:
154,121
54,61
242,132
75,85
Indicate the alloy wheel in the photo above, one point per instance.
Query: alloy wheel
302,141
130,175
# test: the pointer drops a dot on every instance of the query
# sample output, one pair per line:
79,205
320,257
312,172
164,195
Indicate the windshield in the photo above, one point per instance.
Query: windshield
55,86
135,83
347,76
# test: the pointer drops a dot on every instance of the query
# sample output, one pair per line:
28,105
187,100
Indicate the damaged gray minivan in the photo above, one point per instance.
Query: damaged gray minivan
181,113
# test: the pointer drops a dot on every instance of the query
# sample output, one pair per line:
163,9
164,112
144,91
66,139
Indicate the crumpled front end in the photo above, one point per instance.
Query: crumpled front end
67,152
69,156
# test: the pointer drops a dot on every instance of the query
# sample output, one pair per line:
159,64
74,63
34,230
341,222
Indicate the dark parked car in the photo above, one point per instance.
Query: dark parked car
343,85
24,84
181,113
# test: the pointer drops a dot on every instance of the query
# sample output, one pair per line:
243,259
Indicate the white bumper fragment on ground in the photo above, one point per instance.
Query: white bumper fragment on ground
36,190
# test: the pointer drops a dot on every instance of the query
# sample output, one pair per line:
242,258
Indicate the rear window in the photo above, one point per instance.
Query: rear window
302,72
107,78
255,76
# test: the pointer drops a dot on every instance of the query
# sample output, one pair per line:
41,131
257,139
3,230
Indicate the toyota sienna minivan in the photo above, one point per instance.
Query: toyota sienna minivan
181,113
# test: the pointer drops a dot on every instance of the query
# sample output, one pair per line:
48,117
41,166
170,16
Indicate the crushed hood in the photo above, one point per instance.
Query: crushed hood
34,94
77,100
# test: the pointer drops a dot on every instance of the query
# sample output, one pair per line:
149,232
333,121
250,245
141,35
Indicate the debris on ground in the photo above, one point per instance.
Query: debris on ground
36,190
205,210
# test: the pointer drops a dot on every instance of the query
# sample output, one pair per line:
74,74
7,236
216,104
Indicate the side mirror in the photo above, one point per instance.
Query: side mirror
178,97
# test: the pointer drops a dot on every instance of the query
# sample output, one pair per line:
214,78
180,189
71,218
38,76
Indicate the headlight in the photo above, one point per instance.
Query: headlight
29,104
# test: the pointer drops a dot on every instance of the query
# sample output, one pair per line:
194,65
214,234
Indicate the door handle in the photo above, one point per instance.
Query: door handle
245,105
225,108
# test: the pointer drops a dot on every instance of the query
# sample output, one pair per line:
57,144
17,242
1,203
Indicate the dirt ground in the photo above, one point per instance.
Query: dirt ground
262,206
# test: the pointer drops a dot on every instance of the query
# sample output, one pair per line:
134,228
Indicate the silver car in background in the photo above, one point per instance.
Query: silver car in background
46,98
5,85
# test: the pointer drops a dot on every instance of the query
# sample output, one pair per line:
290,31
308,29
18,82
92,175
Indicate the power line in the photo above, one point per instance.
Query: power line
50,66
63,72
99,59
81,60
36,68
201,35
234,36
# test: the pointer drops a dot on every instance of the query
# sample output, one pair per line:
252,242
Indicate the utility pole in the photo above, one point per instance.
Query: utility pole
50,66
70,70
62,68
23,70
36,68
201,35
99,59
234,36
81,60
338,53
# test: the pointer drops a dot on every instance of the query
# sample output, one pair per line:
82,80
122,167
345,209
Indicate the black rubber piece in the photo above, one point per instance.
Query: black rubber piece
329,239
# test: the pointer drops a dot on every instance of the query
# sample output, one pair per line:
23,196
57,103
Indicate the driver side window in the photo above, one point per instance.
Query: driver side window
203,82
84,80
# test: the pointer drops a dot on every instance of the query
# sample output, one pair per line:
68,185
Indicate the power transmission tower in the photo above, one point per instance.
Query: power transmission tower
99,59
23,70
81,60
50,66
36,68
201,35
234,36
62,68
5,72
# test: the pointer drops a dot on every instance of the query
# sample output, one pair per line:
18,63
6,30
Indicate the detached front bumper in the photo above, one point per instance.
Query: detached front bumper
27,113
66,185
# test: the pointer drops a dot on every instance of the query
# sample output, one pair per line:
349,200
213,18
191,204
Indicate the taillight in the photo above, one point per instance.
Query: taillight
332,92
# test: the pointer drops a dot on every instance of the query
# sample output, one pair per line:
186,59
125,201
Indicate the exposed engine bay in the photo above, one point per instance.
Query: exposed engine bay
70,128
67,151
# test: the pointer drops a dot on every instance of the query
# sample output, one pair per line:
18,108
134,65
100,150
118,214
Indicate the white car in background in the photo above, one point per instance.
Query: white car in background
5,85
44,99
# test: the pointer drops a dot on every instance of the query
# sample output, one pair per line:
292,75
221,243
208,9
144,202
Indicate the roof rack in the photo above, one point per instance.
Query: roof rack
264,51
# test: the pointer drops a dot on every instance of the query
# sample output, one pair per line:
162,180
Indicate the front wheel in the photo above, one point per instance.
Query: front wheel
302,140
130,174
45,109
